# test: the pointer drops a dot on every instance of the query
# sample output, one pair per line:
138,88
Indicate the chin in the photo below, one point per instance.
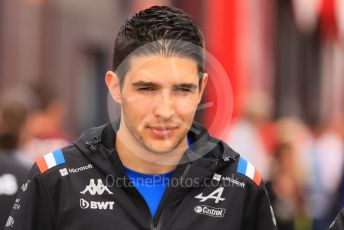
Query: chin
160,148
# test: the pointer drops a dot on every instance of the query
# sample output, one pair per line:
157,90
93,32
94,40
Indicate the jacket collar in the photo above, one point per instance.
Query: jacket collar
205,155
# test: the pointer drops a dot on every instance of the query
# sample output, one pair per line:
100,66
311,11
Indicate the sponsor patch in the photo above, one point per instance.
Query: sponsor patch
231,180
96,189
210,211
216,195
16,205
25,186
9,222
66,171
217,177
98,205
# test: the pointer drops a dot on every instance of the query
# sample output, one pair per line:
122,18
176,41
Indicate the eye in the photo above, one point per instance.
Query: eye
183,89
146,89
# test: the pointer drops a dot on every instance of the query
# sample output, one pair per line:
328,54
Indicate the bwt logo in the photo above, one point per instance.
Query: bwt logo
99,205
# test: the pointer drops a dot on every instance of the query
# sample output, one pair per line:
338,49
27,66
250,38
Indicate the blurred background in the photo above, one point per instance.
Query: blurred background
284,60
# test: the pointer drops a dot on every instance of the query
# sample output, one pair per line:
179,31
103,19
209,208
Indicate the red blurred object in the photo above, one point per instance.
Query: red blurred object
328,19
223,41
269,136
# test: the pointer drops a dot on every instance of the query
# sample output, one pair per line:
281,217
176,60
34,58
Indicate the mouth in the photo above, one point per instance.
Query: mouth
162,132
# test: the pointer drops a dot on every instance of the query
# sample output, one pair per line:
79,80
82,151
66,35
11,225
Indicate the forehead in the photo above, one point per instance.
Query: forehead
162,69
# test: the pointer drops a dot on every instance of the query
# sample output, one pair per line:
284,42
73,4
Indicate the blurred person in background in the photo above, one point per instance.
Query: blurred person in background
295,133
13,165
245,135
44,126
283,188
326,166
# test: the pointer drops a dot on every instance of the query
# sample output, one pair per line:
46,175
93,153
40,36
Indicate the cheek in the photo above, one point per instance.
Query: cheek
137,108
187,106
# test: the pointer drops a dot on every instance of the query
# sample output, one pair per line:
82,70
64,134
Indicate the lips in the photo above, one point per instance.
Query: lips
162,132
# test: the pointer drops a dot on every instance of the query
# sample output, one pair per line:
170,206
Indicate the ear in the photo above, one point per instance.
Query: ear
203,85
112,82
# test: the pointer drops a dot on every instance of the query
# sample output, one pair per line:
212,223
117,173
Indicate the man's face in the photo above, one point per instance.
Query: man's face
159,98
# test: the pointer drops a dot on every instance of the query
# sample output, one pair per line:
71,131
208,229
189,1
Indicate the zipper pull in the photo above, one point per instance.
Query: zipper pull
227,158
96,140
93,143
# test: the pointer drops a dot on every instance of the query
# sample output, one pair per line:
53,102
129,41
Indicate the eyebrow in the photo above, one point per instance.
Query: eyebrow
150,84
143,84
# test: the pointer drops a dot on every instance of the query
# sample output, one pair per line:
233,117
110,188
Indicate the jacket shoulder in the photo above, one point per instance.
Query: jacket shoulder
58,157
241,166
248,170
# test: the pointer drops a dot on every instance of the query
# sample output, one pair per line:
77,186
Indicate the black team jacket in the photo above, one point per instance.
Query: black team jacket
338,223
84,186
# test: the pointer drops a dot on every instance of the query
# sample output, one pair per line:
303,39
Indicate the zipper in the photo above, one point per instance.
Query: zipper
159,215
134,191
157,219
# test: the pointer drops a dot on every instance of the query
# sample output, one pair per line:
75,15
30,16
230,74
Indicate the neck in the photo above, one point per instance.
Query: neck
134,156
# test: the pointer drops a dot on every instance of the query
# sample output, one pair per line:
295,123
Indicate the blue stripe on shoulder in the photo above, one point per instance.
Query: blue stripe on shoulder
58,155
242,165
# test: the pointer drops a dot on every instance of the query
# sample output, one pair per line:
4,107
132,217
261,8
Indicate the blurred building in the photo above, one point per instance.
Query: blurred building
68,42
292,50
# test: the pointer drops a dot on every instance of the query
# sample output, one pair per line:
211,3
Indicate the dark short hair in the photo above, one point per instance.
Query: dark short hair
159,30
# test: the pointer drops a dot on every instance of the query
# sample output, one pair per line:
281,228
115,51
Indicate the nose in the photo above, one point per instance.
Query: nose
164,108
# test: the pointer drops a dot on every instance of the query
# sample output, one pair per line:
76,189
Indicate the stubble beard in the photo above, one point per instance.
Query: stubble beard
146,145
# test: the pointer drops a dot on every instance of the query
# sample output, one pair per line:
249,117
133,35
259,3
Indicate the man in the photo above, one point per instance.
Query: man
154,168
44,129
13,165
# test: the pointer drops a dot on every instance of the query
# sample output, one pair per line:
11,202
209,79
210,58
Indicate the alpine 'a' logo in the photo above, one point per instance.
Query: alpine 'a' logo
98,188
216,195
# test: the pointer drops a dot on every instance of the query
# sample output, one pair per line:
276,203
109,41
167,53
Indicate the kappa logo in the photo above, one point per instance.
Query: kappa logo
216,195
94,188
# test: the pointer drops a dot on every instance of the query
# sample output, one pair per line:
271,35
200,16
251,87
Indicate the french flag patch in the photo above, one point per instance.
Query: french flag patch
246,168
50,160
